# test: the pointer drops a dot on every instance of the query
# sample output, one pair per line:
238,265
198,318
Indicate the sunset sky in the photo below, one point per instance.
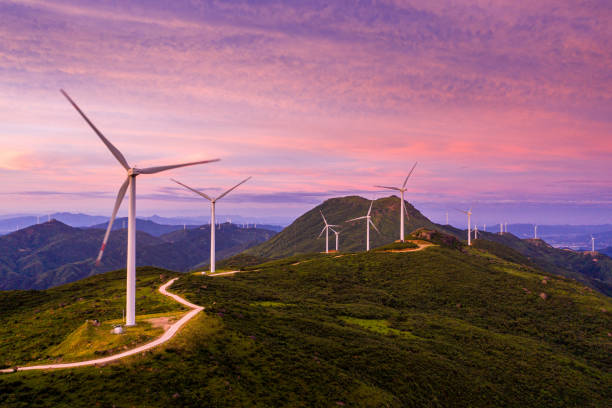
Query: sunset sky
507,108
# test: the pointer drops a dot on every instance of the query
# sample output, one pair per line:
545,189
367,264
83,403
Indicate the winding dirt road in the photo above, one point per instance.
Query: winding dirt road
168,334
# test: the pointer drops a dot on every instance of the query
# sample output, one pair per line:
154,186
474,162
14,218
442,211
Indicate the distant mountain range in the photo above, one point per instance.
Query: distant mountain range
53,253
11,224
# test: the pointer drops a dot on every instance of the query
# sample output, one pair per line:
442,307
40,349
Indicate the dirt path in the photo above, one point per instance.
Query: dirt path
174,328
422,246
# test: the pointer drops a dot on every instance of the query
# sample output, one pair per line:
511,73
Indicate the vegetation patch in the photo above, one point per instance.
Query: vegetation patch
398,246
268,303
376,325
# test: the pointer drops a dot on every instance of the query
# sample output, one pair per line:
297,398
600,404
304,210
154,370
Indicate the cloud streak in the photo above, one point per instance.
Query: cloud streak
495,99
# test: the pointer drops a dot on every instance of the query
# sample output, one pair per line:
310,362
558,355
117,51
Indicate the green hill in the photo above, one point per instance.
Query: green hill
445,326
592,269
301,235
53,253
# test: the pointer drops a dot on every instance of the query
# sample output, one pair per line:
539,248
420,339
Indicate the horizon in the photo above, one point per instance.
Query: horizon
507,108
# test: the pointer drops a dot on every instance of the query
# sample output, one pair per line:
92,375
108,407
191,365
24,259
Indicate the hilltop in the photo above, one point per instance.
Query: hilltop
301,235
53,253
445,326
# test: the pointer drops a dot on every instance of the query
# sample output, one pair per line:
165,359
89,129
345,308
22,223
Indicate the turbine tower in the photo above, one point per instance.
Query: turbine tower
368,219
403,208
535,231
469,216
335,232
475,231
326,229
130,182
213,201
592,244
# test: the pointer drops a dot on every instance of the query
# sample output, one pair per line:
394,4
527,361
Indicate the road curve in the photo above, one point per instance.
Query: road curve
168,334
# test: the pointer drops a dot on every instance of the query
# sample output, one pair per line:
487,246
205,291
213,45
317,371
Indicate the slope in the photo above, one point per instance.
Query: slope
301,235
54,253
592,269
440,327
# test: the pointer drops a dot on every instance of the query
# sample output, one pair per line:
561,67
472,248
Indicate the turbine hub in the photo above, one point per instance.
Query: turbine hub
133,171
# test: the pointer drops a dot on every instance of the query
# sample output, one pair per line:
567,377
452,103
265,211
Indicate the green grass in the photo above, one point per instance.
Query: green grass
397,246
39,323
439,327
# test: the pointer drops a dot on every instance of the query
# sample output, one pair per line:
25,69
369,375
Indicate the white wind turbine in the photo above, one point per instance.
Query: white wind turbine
213,201
368,222
535,232
403,208
469,216
326,229
592,244
130,182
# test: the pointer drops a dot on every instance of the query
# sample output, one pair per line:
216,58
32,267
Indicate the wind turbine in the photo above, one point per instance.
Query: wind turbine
213,201
535,231
130,182
592,244
368,222
326,229
469,215
402,209
475,231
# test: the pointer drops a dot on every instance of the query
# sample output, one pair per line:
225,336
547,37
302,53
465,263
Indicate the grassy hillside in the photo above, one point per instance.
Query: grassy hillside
593,269
54,253
34,323
440,327
301,235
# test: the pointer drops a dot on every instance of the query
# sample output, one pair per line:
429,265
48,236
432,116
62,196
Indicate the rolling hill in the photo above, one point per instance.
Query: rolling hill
53,253
445,326
594,270
301,235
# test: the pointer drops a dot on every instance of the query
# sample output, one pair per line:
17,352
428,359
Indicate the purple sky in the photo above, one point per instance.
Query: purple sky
506,106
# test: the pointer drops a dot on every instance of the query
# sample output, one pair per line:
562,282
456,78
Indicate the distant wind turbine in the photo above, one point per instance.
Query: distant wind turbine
535,231
475,231
130,182
213,201
326,229
592,244
368,219
469,217
403,210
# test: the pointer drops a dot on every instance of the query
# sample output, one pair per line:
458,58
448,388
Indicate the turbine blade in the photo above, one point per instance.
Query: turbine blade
409,174
108,144
406,211
228,191
371,204
389,188
370,221
322,231
118,201
157,169
358,218
324,220
465,212
193,189
335,232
